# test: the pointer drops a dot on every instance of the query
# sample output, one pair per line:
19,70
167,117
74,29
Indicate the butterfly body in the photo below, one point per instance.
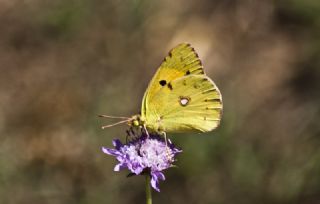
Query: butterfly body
180,97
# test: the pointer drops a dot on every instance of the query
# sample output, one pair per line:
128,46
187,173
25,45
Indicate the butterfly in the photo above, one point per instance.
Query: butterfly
179,98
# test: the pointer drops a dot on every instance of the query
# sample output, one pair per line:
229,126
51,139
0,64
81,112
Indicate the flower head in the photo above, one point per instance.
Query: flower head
144,154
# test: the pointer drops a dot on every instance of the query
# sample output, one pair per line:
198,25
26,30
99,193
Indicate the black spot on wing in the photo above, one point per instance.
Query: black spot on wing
188,72
162,82
170,86
212,108
198,71
196,85
208,91
184,82
212,100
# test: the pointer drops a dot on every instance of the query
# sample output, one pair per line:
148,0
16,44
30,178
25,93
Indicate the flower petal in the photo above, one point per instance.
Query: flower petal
110,151
155,177
155,184
117,144
119,167
160,175
135,168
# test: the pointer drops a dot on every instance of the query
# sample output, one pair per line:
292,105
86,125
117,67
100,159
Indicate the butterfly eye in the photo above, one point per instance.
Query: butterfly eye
135,123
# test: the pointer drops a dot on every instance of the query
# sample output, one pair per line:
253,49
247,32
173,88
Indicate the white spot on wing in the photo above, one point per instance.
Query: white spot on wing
184,101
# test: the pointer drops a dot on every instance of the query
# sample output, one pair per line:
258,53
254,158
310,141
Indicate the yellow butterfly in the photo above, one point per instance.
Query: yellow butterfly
179,98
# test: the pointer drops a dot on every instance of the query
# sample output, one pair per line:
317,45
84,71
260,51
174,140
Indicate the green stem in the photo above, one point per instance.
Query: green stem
148,190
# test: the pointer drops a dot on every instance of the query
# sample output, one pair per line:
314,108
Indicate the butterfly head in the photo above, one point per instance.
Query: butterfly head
136,121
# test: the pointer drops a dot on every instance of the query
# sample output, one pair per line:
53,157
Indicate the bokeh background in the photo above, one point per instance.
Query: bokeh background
64,62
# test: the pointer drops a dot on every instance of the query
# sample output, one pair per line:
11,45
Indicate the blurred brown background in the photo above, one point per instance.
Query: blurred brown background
64,62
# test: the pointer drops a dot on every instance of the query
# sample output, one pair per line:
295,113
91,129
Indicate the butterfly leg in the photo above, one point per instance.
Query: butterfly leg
130,134
133,133
165,138
127,136
146,131
167,148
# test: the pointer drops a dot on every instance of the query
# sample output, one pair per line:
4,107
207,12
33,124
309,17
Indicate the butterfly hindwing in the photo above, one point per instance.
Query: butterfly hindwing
190,103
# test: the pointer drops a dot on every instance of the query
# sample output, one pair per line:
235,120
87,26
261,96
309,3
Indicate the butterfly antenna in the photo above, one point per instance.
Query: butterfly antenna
117,123
113,117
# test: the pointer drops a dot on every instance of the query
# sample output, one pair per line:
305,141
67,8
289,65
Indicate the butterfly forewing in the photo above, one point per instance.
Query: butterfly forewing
181,61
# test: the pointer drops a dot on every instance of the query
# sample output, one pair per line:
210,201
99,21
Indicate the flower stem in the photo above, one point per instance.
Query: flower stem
148,190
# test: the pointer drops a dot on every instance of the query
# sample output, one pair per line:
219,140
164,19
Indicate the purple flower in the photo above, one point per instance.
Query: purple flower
144,154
